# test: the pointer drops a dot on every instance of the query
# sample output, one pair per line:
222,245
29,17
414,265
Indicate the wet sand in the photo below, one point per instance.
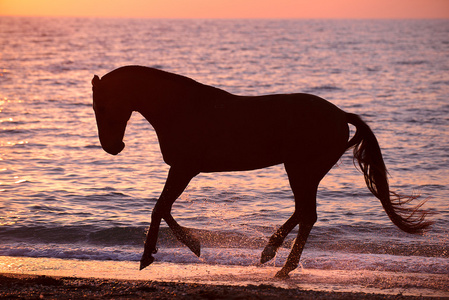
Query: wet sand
52,278
22,286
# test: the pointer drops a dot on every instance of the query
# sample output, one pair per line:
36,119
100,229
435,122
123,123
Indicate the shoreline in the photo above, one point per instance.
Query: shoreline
54,278
27,286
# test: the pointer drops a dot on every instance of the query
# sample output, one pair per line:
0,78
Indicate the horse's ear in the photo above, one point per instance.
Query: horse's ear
95,80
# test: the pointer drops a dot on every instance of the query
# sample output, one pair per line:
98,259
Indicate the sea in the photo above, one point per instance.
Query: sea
65,202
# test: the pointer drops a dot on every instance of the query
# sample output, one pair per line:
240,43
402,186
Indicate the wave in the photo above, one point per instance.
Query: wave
313,259
412,62
339,239
86,234
322,88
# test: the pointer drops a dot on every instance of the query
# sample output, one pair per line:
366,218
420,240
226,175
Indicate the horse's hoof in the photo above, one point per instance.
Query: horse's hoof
268,253
194,245
145,262
282,274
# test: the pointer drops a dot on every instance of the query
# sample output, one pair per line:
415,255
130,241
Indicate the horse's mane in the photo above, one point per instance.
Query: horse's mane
135,70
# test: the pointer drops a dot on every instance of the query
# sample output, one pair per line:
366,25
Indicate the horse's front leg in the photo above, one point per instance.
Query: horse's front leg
177,181
184,235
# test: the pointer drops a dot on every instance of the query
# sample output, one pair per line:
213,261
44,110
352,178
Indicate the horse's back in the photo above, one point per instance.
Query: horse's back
289,116
254,132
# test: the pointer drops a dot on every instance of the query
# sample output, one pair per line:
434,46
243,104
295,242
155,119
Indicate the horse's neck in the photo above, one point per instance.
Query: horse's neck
170,100
163,98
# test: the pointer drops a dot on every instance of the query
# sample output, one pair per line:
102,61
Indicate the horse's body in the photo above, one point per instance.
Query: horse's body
204,129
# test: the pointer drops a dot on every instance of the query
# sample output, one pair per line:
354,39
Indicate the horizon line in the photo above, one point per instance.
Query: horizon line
225,18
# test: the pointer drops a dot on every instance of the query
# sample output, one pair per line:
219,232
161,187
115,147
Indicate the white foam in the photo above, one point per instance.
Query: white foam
323,260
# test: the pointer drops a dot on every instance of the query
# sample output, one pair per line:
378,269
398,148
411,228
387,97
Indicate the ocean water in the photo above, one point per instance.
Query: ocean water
62,196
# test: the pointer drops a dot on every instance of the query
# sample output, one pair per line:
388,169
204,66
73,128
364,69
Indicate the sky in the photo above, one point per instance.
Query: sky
360,9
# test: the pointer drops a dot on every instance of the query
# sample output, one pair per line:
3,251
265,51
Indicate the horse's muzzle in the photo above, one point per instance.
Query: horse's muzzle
114,149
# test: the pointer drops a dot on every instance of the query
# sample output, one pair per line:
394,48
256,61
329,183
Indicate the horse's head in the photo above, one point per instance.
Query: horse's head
111,113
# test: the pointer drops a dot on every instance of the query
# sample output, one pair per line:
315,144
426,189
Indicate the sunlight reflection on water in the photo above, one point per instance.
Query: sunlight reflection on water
54,174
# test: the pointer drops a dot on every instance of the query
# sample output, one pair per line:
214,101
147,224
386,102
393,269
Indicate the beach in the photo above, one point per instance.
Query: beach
49,278
48,287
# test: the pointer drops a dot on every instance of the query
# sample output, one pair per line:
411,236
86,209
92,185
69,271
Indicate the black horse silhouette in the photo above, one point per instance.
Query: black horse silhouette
205,129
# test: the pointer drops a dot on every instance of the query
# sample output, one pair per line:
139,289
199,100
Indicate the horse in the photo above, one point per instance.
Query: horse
201,128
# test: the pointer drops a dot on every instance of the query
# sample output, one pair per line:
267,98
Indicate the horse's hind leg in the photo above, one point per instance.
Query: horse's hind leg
304,187
296,251
176,182
278,238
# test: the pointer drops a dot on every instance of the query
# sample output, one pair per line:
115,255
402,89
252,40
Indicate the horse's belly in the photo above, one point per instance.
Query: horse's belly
240,158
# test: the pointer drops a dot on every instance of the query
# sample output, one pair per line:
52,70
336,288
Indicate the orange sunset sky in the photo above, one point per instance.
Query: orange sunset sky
229,8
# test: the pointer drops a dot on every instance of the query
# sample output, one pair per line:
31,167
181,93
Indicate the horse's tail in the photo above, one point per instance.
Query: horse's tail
369,157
